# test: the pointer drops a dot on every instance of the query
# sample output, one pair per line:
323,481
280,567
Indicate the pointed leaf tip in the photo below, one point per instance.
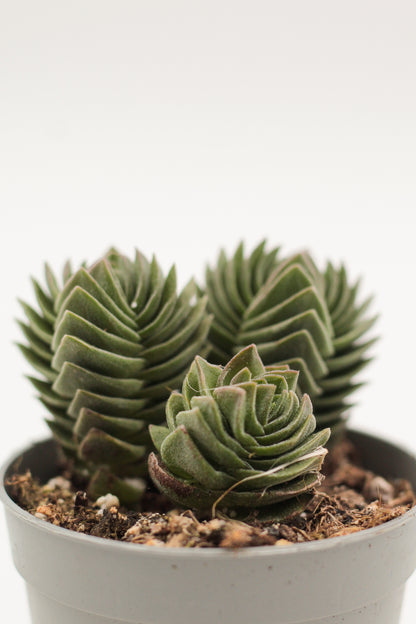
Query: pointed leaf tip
248,358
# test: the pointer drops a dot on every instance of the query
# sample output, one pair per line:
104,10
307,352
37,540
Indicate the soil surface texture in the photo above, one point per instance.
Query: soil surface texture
350,499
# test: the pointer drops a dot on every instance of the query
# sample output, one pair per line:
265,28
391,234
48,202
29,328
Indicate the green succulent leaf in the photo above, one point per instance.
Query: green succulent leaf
238,437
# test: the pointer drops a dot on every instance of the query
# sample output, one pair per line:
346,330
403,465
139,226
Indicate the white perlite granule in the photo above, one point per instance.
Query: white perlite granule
107,501
57,482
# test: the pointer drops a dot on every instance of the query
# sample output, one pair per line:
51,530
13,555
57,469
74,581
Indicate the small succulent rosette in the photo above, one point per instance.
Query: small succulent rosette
239,439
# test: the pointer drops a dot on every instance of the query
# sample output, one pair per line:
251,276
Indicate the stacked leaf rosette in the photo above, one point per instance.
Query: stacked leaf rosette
296,315
110,344
239,438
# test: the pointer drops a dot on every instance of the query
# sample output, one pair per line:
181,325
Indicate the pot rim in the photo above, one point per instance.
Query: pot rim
183,552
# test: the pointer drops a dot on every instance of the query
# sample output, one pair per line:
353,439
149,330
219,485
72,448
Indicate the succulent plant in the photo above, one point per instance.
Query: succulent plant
239,437
349,325
296,315
110,344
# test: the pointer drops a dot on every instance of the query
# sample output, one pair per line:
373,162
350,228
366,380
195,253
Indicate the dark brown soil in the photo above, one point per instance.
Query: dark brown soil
349,500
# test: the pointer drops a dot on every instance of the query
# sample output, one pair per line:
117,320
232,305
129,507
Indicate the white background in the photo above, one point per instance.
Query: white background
180,127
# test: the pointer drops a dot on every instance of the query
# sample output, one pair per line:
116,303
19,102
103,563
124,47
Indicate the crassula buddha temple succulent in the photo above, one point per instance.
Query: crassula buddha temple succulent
239,437
296,315
110,343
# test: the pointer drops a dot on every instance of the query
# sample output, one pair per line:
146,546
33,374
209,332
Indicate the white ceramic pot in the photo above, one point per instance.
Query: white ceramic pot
77,579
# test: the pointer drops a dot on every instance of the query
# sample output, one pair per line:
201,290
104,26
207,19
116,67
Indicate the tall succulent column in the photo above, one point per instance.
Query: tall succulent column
350,324
110,344
296,315
240,438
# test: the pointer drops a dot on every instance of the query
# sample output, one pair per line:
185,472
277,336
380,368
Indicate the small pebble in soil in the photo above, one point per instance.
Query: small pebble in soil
58,482
106,502
378,488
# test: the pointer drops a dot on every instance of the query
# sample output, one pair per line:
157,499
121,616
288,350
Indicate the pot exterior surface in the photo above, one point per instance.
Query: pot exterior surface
356,579
44,610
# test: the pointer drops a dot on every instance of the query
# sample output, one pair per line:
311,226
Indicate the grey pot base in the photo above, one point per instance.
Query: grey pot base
73,578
